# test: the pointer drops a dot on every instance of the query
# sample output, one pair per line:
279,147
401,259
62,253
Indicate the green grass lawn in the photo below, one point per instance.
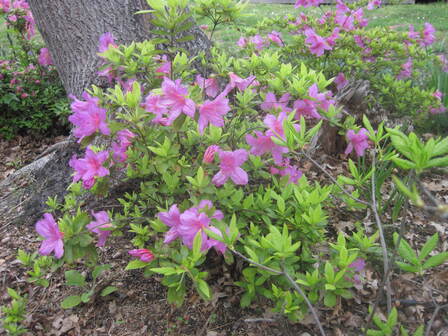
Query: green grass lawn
397,16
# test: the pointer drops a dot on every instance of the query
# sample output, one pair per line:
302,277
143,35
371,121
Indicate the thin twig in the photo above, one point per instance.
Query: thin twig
310,306
433,318
333,179
382,238
291,281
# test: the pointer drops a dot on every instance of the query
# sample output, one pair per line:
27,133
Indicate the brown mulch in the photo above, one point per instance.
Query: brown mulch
140,306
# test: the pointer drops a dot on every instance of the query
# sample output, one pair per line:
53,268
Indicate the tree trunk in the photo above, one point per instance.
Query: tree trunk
71,31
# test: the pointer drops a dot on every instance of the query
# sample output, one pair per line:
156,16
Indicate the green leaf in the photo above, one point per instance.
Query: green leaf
330,299
204,289
135,264
99,269
74,278
71,301
436,260
406,251
429,246
167,270
85,297
108,290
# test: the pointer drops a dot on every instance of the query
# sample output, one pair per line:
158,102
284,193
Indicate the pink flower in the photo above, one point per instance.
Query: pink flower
444,62
306,108
144,255
412,34
192,222
276,38
341,7
210,85
275,125
119,148
307,3
240,83
154,104
271,102
242,42
171,218
49,230
12,18
203,27
106,40
212,112
24,95
175,99
209,155
88,117
406,70
346,22
316,43
258,41
99,226
428,34
89,167
230,163
358,265
293,172
5,5
324,99
357,141
340,81
374,3
359,41
331,40
262,144
165,67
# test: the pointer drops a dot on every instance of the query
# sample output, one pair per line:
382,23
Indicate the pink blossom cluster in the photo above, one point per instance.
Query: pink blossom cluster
89,167
406,70
426,37
357,141
287,169
44,57
120,146
19,9
259,42
191,222
88,117
308,107
441,109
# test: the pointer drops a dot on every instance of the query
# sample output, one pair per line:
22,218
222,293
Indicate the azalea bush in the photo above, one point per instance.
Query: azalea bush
339,44
32,98
218,155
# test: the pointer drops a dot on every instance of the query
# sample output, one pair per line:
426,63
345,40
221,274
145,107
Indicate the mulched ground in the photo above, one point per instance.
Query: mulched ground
140,306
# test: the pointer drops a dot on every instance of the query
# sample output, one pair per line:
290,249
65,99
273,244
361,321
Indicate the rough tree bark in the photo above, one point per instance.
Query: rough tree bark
71,30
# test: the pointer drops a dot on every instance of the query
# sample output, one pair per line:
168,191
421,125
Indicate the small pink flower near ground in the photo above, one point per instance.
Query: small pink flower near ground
99,226
171,218
209,155
406,70
240,83
53,238
357,141
144,255
230,163
258,42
